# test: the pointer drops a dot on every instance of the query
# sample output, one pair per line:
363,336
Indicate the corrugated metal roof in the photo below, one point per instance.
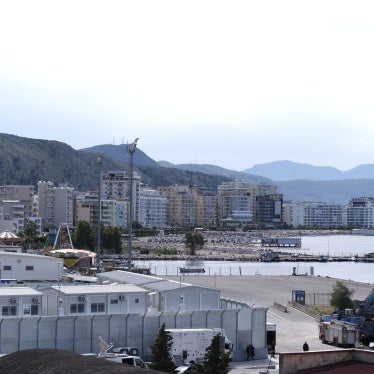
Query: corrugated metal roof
98,289
19,291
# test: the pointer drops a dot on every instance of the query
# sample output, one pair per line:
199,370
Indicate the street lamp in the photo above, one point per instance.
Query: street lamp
131,148
99,160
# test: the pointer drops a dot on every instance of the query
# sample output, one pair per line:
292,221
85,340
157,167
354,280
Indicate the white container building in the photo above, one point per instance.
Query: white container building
20,302
96,299
30,267
167,295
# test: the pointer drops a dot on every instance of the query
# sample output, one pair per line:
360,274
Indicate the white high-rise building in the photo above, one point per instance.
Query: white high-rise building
153,209
360,212
313,214
115,185
55,204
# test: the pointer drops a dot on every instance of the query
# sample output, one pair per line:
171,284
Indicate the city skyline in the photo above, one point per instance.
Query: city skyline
229,84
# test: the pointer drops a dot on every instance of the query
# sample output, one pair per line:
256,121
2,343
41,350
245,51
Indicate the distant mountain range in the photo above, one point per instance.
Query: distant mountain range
288,170
26,161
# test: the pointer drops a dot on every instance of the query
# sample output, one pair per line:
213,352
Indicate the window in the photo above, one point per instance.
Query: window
7,267
30,310
9,310
77,308
29,267
136,301
114,301
97,307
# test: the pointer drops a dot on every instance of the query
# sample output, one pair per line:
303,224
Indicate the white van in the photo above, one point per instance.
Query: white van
129,360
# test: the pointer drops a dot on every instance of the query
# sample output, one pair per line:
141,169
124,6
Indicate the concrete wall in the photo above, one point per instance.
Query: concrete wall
290,363
79,333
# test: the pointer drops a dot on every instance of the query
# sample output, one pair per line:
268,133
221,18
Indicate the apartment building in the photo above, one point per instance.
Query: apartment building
153,209
181,205
234,199
56,204
360,212
23,194
113,212
269,210
115,185
313,214
323,215
293,213
12,215
206,207
238,200
18,204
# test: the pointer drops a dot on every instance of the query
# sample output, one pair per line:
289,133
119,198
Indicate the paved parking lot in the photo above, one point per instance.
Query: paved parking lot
293,327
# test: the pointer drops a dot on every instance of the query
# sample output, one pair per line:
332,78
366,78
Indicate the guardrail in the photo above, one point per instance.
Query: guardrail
305,310
280,307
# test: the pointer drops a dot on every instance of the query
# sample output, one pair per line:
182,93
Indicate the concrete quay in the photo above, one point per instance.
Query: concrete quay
293,326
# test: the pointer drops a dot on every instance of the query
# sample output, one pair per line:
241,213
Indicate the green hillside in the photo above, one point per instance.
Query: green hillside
26,161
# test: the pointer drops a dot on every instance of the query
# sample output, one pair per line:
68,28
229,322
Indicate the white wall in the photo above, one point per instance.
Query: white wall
41,267
79,333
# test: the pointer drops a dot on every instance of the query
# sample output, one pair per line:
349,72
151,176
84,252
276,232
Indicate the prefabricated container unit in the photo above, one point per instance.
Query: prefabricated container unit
190,344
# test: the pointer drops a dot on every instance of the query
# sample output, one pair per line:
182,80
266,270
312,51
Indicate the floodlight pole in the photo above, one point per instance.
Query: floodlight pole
131,148
98,247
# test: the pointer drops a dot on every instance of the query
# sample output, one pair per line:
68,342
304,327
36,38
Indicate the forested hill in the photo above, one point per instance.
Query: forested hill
26,161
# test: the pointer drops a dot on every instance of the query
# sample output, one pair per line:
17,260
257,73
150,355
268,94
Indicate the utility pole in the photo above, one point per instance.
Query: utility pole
131,148
98,247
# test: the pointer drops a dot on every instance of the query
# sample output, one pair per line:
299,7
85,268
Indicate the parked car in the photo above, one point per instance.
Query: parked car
129,360
183,370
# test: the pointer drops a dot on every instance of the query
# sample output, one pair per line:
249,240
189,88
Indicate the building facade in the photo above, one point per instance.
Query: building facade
181,205
269,210
115,185
360,212
237,201
313,214
56,204
153,209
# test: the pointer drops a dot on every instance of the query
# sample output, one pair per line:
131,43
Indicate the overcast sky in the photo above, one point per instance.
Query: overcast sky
229,83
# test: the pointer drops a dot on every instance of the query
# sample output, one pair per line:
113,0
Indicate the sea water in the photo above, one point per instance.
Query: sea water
333,245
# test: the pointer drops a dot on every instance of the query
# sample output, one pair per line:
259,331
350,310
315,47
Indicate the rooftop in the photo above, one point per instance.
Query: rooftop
19,291
98,289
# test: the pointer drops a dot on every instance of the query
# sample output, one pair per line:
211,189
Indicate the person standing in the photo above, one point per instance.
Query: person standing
250,352
272,349
305,347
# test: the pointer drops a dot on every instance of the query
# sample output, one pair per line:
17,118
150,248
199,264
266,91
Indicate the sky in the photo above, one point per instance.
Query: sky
228,83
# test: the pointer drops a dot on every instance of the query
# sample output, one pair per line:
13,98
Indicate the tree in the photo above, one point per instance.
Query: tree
84,236
29,232
161,358
194,241
216,360
111,238
341,296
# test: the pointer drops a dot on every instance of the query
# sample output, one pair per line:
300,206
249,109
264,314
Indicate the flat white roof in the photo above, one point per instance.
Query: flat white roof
30,255
99,289
129,277
19,291
147,281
